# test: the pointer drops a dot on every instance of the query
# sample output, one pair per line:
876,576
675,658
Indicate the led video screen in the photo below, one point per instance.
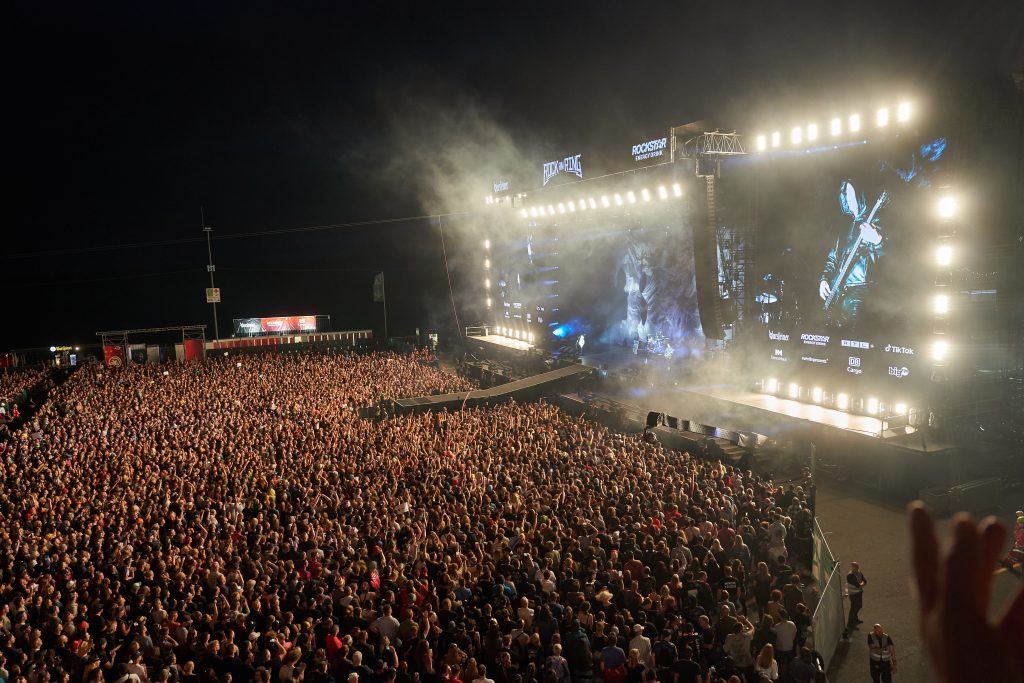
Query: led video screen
845,257
618,276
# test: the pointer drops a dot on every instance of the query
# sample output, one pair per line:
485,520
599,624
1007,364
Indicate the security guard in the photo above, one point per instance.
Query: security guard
883,655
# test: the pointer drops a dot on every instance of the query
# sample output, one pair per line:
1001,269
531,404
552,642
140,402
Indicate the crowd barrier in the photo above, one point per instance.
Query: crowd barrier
828,621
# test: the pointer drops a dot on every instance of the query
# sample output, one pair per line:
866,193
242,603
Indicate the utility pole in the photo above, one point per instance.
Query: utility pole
210,268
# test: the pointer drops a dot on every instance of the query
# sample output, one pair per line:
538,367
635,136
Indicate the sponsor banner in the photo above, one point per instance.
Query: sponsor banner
652,149
500,186
275,325
113,356
570,164
213,295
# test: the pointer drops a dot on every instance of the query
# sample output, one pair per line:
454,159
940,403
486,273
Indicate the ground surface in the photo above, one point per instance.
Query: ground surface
876,535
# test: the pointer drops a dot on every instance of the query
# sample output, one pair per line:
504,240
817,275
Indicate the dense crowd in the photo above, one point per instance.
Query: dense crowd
15,390
235,520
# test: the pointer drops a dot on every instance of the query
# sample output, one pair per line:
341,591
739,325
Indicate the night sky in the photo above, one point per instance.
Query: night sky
123,119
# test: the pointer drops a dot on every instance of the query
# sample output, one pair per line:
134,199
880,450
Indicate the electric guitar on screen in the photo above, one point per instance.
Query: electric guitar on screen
838,284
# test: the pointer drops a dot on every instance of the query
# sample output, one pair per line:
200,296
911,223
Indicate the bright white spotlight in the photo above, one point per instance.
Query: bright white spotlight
872,406
677,190
533,211
572,207
816,394
773,385
631,197
796,136
604,201
939,349
903,112
561,207
524,213
487,263
900,409
843,402
645,194
593,203
761,142
812,132
941,304
947,207
794,390
488,302
551,209
541,211
776,139
529,337
583,205
854,123
487,244
662,192
488,199
836,127
944,255
487,283
618,199
882,117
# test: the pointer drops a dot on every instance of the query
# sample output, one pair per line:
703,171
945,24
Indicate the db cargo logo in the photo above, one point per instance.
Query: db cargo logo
566,165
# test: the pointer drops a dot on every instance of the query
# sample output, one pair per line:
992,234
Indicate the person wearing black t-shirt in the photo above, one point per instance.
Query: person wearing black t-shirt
685,669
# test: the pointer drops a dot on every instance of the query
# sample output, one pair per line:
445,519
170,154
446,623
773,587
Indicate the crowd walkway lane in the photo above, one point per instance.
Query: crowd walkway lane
876,535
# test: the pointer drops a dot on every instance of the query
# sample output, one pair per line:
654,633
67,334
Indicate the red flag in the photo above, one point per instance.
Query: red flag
375,580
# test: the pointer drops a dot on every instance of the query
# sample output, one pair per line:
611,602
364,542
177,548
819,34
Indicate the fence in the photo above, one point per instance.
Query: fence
828,621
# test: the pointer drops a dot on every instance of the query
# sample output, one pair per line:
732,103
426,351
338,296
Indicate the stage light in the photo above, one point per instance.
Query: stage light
812,132
773,385
854,123
776,138
561,207
761,143
541,211
593,203
882,117
487,283
604,201
903,112
618,199
843,402
572,207
794,390
662,192
551,210
816,394
944,255
487,244
530,337
941,304
487,263
631,197
488,302
796,135
947,207
533,212
939,349
900,409
583,205
872,406
677,190
488,199
645,194
836,127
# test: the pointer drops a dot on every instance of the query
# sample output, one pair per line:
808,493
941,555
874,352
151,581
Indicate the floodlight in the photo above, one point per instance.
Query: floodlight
533,211
947,207
572,207
900,409
487,244
794,390
776,138
487,263
488,302
773,385
854,123
488,199
530,337
836,127
618,199
604,201
631,197
593,203
939,349
872,406
816,394
662,192
843,402
487,283
540,209
941,304
796,136
583,205
882,117
903,112
761,143
561,207
812,132
551,209
645,194
944,255
677,190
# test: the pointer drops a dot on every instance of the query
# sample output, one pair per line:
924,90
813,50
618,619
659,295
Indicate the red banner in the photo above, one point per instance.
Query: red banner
193,349
113,356
289,323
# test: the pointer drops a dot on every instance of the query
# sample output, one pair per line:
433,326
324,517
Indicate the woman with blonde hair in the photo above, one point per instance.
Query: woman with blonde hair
634,667
766,667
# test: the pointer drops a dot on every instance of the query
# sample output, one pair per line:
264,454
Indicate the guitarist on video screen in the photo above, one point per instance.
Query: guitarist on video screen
846,277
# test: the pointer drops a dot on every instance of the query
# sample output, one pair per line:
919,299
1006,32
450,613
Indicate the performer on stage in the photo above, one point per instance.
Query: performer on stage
858,249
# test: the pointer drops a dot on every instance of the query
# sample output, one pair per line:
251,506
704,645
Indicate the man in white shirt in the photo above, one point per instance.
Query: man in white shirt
642,643
785,640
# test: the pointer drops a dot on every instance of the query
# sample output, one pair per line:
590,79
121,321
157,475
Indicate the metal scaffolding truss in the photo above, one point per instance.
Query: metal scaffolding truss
120,337
714,143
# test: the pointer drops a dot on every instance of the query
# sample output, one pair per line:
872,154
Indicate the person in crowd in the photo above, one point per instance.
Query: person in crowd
855,583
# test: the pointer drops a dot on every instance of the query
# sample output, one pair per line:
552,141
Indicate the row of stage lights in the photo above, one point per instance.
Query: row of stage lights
511,333
605,201
798,135
839,401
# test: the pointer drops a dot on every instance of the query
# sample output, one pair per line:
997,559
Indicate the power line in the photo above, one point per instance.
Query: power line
241,235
